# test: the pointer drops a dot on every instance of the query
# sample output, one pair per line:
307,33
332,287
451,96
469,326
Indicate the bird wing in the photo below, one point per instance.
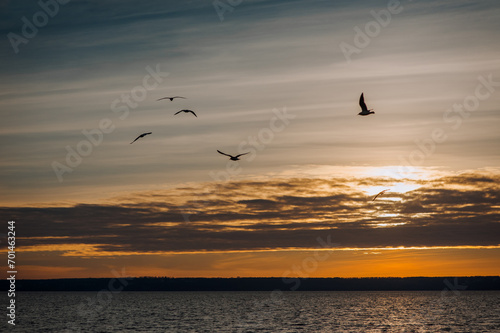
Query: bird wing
242,154
178,112
379,194
223,153
141,136
178,97
163,98
362,103
193,113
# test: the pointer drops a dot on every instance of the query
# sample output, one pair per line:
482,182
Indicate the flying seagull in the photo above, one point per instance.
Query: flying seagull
186,112
364,109
141,136
171,98
231,157
380,194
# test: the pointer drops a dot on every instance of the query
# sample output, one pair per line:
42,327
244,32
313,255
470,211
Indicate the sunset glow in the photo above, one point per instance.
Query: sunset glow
235,221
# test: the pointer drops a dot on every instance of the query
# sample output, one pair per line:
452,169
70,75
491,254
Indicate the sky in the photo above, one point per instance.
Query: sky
279,80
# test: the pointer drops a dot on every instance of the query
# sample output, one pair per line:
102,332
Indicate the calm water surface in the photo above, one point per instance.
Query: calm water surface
418,311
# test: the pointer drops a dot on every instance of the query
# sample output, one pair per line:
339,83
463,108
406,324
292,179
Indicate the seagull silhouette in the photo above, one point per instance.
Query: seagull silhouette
364,109
231,157
171,98
141,136
186,112
379,194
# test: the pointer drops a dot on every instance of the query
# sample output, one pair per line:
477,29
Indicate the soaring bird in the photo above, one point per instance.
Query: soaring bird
186,112
379,194
231,157
170,98
364,109
141,136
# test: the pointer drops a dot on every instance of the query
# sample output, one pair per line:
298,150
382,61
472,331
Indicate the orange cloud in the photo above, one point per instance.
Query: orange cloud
445,213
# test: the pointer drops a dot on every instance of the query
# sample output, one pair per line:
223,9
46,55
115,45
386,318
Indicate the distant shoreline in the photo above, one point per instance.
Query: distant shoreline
115,284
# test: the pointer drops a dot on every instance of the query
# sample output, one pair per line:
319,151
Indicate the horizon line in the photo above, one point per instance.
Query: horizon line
270,277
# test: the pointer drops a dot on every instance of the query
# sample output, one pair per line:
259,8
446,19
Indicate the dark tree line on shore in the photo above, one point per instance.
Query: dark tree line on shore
260,284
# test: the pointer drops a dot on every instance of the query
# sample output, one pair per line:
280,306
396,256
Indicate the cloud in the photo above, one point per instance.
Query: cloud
458,210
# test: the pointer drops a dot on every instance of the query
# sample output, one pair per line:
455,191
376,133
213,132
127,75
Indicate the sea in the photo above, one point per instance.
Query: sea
250,311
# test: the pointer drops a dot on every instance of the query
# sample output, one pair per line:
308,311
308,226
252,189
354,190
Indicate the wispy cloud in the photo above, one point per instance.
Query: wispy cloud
267,54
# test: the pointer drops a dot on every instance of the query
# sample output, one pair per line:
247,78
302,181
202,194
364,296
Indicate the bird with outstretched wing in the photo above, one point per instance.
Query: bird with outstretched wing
364,109
186,111
231,157
141,136
170,98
